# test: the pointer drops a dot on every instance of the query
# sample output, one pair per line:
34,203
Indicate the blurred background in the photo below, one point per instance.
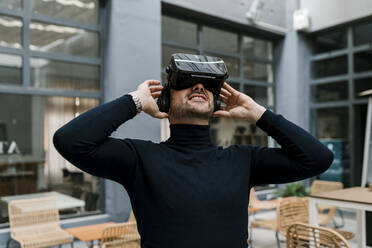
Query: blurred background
305,59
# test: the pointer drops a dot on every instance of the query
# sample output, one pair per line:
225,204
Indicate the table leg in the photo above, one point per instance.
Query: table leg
313,213
361,228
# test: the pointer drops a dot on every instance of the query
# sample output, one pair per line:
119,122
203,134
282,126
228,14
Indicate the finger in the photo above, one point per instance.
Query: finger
155,94
160,115
156,88
224,98
225,92
221,113
229,88
152,82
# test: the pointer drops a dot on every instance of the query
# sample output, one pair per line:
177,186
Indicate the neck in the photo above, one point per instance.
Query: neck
189,121
190,135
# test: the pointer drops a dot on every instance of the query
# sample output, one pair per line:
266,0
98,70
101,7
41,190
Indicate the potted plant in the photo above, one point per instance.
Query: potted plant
293,189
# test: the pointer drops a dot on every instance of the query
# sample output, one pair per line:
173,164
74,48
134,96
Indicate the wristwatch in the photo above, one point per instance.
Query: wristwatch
137,101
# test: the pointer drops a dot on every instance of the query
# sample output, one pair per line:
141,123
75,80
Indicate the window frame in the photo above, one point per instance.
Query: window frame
350,77
26,15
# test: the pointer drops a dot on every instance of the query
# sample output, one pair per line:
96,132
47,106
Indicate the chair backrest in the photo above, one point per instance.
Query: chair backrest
292,210
131,217
304,235
117,235
32,216
253,197
319,186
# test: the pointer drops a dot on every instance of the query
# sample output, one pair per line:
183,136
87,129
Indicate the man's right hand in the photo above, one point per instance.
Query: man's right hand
147,92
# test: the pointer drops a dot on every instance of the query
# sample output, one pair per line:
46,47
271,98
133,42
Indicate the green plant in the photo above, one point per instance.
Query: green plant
293,189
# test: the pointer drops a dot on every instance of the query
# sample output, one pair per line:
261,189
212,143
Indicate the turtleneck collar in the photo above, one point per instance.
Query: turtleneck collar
190,135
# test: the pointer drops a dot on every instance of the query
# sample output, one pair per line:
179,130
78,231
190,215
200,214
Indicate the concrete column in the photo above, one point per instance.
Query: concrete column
132,55
292,74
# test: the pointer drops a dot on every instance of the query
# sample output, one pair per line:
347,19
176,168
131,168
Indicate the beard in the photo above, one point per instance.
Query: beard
189,111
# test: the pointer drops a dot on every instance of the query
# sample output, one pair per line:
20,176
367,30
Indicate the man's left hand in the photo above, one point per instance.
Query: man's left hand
238,105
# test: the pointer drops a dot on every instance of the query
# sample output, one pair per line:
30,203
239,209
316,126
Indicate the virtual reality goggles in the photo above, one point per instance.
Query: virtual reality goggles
186,70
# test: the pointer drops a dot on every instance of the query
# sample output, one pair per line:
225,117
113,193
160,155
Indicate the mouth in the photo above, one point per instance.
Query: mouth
198,98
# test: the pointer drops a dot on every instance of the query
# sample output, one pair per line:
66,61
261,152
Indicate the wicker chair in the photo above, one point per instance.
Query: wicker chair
122,235
35,223
254,202
304,235
319,186
291,210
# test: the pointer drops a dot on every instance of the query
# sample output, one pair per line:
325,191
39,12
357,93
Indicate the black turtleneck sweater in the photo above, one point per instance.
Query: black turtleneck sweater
186,192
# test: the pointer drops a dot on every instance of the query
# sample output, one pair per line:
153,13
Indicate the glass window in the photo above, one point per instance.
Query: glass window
332,131
83,11
363,61
328,92
232,64
361,85
258,71
235,85
329,67
179,31
332,123
261,94
226,132
255,48
10,4
220,40
167,52
10,69
29,163
60,39
329,41
63,75
362,34
12,27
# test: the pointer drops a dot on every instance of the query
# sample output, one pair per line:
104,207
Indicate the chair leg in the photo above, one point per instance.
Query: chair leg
250,230
342,220
8,242
277,238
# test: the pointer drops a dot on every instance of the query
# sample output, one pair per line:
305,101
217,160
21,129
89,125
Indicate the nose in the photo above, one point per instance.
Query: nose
198,86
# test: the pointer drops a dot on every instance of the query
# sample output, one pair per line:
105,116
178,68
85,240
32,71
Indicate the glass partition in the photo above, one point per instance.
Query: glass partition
12,27
29,163
367,158
47,73
10,69
47,37
82,11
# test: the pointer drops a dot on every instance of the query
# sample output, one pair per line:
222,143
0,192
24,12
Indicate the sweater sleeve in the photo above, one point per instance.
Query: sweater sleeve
85,141
300,156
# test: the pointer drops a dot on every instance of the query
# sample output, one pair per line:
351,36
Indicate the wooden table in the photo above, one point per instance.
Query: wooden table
357,198
89,233
63,201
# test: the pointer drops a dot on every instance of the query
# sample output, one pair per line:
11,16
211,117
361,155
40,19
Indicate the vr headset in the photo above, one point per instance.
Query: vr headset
186,70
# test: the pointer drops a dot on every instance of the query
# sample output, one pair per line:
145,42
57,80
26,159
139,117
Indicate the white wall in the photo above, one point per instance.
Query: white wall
328,13
273,11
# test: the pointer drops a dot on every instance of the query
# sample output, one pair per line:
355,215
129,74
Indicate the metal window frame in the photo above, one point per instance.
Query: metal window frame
27,16
350,78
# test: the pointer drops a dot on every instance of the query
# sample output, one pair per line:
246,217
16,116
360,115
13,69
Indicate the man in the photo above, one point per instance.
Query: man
186,192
